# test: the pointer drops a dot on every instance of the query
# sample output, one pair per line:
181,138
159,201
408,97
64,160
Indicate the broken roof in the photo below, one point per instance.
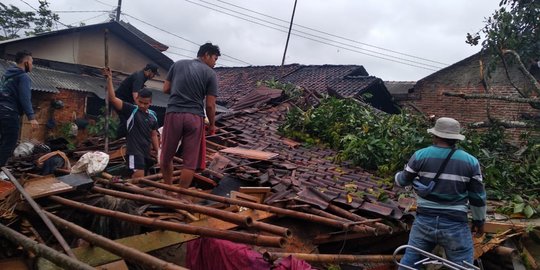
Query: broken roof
235,82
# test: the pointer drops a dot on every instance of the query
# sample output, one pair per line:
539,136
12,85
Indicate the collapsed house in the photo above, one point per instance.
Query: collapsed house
262,198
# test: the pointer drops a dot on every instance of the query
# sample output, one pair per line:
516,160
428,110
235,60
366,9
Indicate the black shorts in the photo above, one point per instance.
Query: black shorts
136,162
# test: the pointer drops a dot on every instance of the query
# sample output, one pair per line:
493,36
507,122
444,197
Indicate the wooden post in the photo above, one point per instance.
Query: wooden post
40,213
107,113
46,252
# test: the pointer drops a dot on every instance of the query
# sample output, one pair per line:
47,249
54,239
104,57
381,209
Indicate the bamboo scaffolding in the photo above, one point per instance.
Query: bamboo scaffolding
126,252
274,229
40,213
253,239
217,213
331,258
272,209
44,251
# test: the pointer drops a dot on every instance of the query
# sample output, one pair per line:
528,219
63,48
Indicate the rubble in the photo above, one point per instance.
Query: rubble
278,196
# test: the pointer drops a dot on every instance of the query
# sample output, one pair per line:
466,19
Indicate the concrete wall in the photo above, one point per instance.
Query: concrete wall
86,48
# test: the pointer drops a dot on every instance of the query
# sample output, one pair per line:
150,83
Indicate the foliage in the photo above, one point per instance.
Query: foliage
513,26
13,20
65,132
98,128
292,91
373,141
383,144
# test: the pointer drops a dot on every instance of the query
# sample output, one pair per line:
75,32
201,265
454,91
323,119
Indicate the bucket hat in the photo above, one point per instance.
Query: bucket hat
447,128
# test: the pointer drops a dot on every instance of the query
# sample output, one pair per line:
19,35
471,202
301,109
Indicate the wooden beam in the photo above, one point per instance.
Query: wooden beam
158,239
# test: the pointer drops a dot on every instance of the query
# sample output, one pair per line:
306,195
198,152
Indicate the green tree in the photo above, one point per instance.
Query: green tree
44,19
510,38
13,20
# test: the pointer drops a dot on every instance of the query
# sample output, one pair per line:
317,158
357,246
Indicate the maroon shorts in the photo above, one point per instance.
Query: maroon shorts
189,128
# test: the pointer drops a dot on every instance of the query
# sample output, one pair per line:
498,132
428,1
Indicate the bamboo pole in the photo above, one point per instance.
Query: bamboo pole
107,113
245,220
40,213
346,214
44,251
136,189
175,173
126,252
253,239
331,258
217,213
272,209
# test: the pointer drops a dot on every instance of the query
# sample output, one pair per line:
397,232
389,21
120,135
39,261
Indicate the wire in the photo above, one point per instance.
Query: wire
425,66
38,11
332,35
79,11
185,39
191,57
93,17
105,3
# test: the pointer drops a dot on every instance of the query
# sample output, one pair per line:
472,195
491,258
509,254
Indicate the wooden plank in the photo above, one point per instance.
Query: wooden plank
45,187
249,153
158,239
245,197
14,264
497,227
118,265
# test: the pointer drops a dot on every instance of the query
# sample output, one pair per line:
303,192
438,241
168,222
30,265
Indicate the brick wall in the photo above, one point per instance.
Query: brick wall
74,106
464,77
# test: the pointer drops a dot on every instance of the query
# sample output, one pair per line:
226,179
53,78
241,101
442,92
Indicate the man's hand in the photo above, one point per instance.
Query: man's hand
158,157
35,124
477,229
211,130
106,71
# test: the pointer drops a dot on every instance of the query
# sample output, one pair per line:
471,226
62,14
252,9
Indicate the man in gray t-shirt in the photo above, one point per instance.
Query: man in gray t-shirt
189,83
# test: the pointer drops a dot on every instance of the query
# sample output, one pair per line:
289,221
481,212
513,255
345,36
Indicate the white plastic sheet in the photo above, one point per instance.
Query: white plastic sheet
91,163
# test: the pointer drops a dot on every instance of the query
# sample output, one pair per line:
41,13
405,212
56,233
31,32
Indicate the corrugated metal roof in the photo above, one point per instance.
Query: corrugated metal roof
49,80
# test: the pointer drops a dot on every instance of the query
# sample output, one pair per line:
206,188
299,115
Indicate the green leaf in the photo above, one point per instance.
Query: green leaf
518,199
528,211
518,208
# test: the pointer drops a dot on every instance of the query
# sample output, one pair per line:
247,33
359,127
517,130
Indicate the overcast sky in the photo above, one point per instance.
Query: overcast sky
393,39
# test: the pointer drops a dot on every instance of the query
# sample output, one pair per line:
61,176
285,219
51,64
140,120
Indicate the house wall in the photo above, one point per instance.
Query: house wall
85,48
464,77
74,106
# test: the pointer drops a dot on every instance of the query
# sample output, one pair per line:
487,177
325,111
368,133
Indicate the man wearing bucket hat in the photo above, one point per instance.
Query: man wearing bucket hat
447,182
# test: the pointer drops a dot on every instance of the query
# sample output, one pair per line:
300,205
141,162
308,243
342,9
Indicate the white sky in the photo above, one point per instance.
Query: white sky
361,32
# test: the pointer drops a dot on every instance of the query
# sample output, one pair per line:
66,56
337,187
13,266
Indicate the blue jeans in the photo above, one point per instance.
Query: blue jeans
428,231
9,135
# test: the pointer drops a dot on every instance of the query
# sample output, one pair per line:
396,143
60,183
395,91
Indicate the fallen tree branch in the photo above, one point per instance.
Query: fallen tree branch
524,70
504,123
530,101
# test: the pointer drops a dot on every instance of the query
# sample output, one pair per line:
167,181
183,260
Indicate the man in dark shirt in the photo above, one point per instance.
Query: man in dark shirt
190,83
129,89
141,125
15,98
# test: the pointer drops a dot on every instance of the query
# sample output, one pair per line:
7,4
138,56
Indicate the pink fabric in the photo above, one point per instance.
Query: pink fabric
213,254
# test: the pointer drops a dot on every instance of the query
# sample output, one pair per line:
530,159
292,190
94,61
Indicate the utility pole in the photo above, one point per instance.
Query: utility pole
289,34
118,9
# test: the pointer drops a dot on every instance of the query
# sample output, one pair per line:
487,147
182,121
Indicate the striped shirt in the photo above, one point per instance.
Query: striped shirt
458,188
